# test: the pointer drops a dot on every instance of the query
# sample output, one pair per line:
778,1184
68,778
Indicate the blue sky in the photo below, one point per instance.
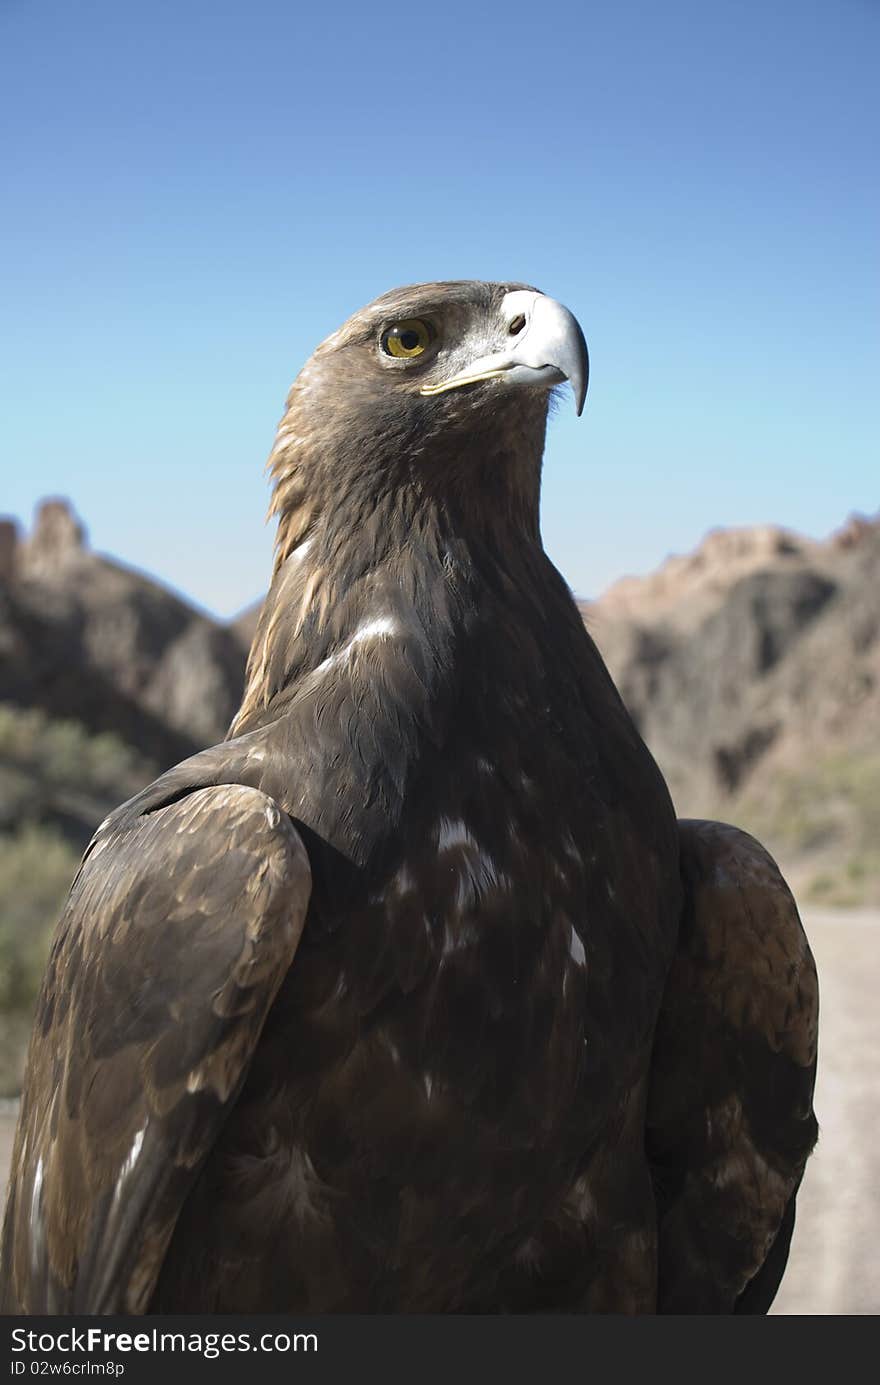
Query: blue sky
196,193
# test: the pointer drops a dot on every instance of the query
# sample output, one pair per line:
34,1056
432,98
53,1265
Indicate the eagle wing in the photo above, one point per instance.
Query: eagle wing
180,926
730,1118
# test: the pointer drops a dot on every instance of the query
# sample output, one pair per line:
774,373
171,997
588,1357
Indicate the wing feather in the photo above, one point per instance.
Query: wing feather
731,1121
179,928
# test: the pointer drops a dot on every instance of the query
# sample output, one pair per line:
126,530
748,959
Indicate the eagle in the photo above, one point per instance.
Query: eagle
412,995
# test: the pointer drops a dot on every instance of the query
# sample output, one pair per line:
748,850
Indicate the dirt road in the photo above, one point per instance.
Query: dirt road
835,1260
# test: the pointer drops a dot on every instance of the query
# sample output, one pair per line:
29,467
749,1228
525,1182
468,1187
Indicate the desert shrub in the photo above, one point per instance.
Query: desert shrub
65,754
829,809
56,774
36,868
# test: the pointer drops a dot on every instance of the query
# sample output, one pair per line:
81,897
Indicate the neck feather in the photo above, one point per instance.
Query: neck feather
381,546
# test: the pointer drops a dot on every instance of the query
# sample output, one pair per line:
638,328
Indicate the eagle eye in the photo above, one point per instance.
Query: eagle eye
406,339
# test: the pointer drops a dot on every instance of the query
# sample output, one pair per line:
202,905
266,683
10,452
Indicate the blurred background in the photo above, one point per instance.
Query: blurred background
196,194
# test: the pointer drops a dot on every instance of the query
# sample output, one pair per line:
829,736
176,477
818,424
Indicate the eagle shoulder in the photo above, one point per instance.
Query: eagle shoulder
180,927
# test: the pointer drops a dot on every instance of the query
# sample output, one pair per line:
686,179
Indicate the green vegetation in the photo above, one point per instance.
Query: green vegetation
828,810
36,868
48,766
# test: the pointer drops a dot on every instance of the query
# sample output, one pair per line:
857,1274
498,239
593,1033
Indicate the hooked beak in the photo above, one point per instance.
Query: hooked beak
548,348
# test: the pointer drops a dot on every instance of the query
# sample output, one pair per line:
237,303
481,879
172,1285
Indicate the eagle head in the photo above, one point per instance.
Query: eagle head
428,389
428,340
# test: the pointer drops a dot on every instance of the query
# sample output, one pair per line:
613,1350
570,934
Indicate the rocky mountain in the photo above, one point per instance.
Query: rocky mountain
752,667
83,637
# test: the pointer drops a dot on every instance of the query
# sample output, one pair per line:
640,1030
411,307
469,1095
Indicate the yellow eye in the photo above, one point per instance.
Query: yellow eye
407,339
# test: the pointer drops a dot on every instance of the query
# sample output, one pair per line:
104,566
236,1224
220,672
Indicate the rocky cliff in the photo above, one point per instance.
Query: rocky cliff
752,667
83,637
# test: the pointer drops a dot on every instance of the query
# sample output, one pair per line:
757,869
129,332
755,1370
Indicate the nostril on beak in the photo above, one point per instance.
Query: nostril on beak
517,325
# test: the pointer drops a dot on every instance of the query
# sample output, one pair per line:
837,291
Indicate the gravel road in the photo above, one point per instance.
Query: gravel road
835,1260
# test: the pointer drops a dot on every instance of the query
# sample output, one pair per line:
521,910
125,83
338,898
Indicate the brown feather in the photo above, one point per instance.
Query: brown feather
179,929
730,1120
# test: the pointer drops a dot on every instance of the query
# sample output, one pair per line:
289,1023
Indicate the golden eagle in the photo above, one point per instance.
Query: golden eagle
412,995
